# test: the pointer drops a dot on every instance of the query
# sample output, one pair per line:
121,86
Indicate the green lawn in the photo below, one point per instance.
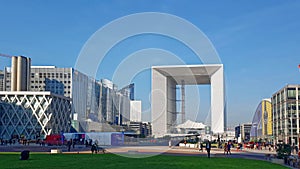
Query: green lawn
90,161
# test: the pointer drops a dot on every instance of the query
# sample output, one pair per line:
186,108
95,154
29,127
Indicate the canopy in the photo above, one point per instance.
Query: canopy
191,125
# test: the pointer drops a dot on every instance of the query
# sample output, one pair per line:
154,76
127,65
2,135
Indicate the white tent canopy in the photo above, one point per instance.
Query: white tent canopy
191,125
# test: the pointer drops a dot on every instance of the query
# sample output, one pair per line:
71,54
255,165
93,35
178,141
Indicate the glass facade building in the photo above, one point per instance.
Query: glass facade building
93,101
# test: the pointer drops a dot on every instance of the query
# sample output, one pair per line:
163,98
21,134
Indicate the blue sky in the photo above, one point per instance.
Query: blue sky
257,41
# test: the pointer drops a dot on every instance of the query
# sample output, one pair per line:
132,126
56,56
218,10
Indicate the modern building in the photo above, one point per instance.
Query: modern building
2,81
128,91
94,102
115,106
286,113
135,111
20,76
146,129
28,113
164,82
33,114
143,129
62,81
242,132
262,122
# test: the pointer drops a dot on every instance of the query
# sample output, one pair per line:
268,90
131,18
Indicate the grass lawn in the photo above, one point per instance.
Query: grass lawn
90,161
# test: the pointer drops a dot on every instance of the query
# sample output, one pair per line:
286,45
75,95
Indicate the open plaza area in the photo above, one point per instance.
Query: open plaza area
135,157
50,161
149,84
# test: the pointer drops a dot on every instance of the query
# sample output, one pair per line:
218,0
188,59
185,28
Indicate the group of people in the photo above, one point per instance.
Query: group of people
95,148
70,143
227,148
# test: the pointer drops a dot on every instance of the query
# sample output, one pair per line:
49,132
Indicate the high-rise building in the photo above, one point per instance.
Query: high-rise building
116,105
128,91
92,100
135,111
2,80
262,121
286,114
20,73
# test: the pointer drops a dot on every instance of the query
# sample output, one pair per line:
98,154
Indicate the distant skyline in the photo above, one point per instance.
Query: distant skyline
257,41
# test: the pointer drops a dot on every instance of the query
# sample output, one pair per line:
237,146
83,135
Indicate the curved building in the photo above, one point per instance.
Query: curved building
262,121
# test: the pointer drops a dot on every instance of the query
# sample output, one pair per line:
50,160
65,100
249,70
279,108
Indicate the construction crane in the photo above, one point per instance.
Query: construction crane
5,55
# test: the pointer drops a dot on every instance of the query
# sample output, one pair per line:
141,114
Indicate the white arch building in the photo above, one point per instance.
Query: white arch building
164,81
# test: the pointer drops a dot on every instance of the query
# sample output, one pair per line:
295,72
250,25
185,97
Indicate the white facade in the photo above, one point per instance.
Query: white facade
135,111
33,113
164,81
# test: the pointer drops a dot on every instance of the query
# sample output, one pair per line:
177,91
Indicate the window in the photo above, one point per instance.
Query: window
291,93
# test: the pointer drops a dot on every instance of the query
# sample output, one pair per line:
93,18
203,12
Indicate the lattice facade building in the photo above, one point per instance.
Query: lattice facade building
33,114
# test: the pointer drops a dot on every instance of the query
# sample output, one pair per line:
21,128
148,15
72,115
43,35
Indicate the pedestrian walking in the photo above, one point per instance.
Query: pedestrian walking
201,147
69,145
228,148
208,147
225,149
73,143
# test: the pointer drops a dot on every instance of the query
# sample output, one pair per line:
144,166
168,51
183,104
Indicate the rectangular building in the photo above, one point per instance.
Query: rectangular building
243,131
285,107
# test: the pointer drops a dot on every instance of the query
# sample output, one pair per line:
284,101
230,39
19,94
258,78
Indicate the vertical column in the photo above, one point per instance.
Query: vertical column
19,73
159,103
14,68
183,101
217,101
297,113
28,72
285,116
171,104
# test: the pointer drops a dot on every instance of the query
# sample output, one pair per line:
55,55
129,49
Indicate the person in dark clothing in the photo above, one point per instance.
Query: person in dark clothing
208,147
86,143
201,147
228,148
73,143
69,145
94,149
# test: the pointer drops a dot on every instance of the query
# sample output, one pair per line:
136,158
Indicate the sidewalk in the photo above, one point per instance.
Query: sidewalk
259,151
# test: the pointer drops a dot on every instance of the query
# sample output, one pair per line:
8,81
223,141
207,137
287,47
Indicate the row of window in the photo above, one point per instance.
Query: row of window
52,81
290,94
53,75
51,87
